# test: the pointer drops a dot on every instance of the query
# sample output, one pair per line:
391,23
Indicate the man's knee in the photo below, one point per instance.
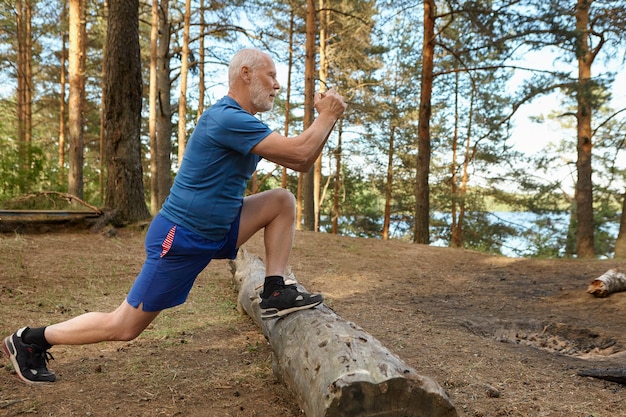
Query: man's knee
287,198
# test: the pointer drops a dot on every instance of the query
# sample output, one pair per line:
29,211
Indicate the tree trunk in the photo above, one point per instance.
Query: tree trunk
465,177
125,192
584,186
152,109
24,88
288,89
182,98
75,102
422,192
62,106
323,75
620,243
164,107
105,10
456,228
201,58
337,184
333,366
308,188
28,75
299,201
21,76
389,183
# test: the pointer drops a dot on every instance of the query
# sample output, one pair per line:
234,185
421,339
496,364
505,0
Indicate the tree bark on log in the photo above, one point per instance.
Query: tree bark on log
333,366
613,280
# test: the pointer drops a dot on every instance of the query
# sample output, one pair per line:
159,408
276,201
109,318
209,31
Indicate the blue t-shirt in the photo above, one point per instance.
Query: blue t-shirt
209,188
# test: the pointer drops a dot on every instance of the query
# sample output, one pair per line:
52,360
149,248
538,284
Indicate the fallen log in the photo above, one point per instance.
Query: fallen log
608,374
613,280
333,366
19,221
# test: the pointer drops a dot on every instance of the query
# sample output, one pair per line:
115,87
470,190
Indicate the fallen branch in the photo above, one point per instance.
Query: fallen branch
65,196
613,280
333,366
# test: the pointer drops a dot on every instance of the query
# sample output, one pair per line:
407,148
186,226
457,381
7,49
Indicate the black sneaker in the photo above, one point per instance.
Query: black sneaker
29,361
288,299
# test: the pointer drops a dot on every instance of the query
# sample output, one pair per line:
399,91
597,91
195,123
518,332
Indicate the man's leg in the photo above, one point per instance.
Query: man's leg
124,323
275,211
28,348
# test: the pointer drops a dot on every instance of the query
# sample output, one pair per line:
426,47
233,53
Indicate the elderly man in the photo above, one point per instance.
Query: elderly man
206,217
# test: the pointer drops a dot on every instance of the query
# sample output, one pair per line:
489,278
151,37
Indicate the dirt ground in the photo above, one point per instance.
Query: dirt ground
503,337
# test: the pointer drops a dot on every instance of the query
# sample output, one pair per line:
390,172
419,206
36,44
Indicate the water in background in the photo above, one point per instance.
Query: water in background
533,234
533,230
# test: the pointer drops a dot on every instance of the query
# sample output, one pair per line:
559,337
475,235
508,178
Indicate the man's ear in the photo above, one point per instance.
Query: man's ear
245,73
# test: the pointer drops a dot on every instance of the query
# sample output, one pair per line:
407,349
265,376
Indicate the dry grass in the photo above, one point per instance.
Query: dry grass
442,311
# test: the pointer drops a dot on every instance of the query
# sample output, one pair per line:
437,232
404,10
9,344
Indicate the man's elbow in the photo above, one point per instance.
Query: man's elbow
303,166
303,162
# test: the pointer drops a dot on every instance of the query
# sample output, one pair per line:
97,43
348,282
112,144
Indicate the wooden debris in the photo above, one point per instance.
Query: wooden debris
333,366
613,280
42,221
65,214
609,374
49,196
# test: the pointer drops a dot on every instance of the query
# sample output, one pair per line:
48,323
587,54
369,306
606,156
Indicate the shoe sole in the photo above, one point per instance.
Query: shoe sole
9,347
270,313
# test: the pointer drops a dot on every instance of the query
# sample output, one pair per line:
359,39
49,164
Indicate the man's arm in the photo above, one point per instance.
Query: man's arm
300,152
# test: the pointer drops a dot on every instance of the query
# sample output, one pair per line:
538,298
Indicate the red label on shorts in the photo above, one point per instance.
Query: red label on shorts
167,243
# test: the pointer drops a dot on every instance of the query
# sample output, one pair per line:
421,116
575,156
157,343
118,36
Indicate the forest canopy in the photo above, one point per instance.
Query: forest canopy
476,124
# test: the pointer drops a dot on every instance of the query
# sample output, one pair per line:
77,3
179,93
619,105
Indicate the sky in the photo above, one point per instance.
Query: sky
531,137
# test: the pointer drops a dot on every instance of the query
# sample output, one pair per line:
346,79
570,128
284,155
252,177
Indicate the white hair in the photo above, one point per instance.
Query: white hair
247,57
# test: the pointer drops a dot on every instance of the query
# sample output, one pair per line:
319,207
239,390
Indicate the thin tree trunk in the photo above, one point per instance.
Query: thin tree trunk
164,106
299,202
76,104
465,177
308,188
28,75
182,100
24,88
584,186
456,232
21,77
152,105
288,89
201,55
620,243
323,75
21,80
389,183
102,175
62,104
337,184
422,192
466,161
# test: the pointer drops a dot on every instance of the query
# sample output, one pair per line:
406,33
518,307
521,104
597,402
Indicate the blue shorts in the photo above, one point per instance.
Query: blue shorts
174,258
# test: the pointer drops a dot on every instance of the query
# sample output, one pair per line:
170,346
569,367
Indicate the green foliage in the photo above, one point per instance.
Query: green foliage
374,52
22,169
547,238
360,206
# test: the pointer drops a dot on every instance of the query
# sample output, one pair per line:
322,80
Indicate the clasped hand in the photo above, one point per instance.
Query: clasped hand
330,102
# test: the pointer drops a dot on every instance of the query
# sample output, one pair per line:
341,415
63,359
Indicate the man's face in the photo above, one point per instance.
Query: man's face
264,86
